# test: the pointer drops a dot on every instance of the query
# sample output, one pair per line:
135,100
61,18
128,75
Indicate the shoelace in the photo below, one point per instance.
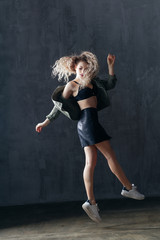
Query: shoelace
96,205
133,186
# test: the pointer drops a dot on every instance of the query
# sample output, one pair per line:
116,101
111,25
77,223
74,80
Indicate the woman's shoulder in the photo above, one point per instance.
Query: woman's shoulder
71,86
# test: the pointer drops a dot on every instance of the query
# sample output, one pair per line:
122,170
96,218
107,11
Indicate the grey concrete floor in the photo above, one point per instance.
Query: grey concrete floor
123,219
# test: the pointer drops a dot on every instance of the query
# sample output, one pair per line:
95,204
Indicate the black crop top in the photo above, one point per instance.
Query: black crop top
84,93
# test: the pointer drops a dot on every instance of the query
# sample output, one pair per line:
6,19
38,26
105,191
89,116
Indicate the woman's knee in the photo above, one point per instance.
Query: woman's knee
90,163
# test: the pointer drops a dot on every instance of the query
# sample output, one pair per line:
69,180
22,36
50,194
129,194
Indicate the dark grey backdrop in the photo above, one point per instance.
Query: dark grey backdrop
47,167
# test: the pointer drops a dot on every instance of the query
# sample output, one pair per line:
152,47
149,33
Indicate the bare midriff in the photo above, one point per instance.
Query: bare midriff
90,102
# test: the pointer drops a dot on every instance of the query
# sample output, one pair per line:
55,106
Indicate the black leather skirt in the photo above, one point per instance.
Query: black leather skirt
89,129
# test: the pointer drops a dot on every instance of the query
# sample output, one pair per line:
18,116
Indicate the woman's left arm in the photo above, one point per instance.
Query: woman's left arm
109,82
111,61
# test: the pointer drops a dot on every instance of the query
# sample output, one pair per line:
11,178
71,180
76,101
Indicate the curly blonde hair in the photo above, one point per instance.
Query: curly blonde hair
65,67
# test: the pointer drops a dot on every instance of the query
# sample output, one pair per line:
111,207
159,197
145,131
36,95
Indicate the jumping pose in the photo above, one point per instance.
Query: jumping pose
81,99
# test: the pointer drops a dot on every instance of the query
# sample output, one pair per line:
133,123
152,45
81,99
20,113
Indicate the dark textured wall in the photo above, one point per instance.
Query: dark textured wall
48,167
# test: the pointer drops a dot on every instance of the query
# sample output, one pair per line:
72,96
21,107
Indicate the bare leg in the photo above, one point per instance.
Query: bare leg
91,160
105,148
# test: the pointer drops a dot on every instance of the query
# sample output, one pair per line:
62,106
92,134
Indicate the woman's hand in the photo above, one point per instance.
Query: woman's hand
39,126
111,61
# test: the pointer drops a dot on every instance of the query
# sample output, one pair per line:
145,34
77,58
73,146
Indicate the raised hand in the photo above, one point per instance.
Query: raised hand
111,60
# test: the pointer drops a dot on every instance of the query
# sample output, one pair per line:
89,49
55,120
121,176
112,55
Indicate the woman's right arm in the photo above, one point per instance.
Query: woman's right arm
67,92
39,126
49,118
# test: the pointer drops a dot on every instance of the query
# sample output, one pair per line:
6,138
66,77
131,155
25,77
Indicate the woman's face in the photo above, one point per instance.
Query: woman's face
81,68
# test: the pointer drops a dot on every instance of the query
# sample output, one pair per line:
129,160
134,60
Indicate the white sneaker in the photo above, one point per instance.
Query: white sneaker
92,211
133,193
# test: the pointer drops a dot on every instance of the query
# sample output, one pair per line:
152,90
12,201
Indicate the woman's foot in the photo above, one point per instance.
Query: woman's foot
92,211
133,193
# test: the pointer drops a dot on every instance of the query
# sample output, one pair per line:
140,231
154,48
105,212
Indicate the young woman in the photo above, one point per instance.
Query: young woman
80,99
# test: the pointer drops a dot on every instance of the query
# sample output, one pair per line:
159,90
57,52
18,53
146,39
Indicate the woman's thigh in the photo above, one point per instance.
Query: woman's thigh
91,154
106,149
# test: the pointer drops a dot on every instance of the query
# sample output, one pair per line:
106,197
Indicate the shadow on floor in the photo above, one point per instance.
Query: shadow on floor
31,214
